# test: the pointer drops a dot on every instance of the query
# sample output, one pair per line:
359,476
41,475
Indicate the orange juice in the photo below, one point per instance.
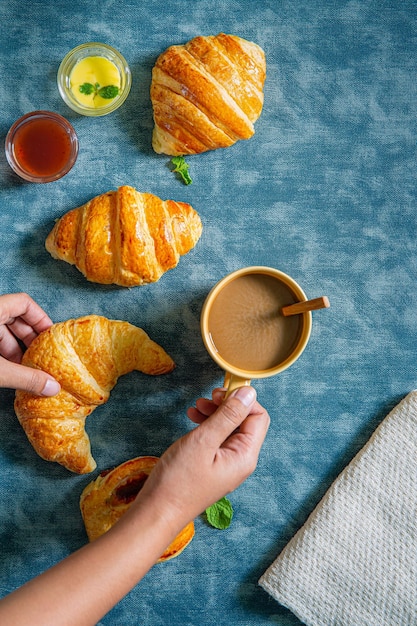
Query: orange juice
41,146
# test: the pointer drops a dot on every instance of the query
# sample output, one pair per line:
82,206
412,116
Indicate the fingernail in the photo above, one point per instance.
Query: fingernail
247,395
52,387
218,394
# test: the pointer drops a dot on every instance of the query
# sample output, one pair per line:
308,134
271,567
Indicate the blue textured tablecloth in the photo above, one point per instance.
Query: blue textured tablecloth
324,191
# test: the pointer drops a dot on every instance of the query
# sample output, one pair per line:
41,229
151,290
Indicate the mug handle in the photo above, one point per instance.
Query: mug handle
232,382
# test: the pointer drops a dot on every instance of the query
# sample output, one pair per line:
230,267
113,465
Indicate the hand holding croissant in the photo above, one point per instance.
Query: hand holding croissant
86,356
21,320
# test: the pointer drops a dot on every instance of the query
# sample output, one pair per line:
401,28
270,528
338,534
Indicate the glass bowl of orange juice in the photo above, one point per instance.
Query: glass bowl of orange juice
41,147
94,79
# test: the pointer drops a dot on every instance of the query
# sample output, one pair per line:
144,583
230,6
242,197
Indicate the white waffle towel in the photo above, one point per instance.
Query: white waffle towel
354,562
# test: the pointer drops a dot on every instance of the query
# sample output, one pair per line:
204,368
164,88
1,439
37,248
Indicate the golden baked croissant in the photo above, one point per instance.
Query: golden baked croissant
106,499
125,237
86,356
206,94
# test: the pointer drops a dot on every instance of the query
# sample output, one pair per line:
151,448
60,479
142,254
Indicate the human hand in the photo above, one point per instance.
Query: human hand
211,460
196,471
21,319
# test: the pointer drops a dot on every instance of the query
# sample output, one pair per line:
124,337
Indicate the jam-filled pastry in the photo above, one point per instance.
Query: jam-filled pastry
125,237
106,499
206,94
86,356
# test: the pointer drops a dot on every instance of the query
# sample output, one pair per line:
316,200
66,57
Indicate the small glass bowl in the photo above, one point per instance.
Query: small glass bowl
90,50
41,147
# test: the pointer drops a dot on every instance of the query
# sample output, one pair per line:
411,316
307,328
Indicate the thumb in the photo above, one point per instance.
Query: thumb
15,376
229,415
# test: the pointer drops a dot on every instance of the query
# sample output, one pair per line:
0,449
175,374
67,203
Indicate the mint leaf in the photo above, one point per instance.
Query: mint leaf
87,88
181,167
219,515
108,92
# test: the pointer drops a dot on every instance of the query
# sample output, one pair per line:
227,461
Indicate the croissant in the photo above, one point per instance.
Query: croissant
86,356
125,237
206,94
106,499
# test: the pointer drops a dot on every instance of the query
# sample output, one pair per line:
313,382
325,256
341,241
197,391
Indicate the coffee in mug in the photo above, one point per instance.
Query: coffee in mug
244,329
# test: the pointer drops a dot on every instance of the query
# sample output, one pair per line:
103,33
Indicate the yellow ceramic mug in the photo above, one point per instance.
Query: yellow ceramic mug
244,330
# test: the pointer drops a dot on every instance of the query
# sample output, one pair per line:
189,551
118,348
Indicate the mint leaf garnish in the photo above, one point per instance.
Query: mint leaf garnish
219,515
87,89
108,92
181,167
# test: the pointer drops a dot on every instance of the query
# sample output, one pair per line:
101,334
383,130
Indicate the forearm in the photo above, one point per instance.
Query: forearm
206,463
86,585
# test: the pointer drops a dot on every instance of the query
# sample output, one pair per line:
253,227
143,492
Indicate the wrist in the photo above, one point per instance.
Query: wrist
165,516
